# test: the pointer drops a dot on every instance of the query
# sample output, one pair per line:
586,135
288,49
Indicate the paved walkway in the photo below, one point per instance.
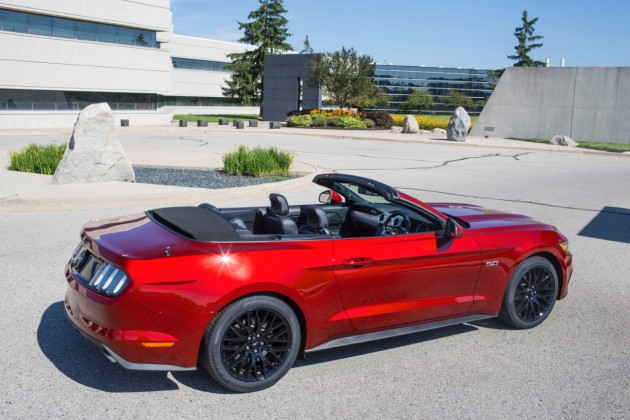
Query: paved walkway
25,192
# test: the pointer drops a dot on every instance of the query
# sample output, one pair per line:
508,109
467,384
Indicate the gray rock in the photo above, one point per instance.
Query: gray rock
458,125
560,140
395,129
438,131
424,132
410,125
94,153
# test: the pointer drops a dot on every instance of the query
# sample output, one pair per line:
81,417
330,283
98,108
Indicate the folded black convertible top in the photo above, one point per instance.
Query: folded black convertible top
195,223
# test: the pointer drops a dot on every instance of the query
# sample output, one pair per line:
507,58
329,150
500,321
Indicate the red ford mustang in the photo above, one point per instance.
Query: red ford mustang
246,290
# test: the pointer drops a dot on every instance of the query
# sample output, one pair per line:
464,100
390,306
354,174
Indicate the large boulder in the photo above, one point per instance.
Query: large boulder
410,125
560,140
458,125
94,153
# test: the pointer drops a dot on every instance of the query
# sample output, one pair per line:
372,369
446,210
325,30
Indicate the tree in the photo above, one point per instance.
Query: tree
307,47
346,78
455,99
267,31
419,99
526,43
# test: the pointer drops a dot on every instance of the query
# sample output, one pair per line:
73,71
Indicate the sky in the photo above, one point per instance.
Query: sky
454,33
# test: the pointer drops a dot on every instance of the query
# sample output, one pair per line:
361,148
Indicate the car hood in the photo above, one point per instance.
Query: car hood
479,217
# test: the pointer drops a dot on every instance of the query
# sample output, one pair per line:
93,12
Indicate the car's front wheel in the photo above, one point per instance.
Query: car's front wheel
530,294
251,344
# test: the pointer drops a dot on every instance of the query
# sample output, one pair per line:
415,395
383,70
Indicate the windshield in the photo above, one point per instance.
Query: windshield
356,194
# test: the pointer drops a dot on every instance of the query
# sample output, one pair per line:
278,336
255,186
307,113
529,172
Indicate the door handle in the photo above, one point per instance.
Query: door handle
358,262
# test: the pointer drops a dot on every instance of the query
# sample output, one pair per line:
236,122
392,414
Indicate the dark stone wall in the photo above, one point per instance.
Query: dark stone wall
281,85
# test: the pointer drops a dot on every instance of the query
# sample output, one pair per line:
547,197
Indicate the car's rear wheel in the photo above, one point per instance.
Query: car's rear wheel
530,294
251,344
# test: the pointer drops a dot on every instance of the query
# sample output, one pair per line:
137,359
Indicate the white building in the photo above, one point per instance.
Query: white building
58,56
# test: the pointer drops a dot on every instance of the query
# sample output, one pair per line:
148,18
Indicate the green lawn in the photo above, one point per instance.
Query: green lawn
593,145
215,118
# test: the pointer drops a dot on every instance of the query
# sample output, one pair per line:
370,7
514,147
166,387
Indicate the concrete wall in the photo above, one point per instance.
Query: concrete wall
281,75
585,103
66,119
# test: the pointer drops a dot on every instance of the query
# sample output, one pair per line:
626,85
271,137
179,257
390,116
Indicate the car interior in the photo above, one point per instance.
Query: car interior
346,211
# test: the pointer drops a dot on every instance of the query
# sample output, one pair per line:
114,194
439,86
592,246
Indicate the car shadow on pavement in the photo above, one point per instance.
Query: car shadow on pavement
382,345
610,224
82,362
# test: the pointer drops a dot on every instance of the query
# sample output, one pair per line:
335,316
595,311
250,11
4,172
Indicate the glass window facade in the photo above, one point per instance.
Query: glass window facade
202,65
48,100
29,23
399,82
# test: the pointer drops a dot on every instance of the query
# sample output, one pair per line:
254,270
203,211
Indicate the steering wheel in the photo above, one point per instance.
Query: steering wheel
393,223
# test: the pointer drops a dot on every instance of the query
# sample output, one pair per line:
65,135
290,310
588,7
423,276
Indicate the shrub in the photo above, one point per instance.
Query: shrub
257,162
381,118
299,112
37,159
347,122
300,121
368,123
320,121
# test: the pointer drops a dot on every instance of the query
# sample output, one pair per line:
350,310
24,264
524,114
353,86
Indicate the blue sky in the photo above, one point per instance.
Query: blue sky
470,33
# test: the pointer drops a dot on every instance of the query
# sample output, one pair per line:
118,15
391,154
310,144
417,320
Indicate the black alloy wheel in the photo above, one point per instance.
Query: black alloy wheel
252,343
531,293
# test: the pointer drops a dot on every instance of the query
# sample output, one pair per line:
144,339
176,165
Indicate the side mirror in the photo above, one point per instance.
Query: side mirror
325,197
328,197
452,229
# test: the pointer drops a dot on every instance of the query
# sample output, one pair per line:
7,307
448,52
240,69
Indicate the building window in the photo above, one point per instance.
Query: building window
398,82
51,100
203,65
29,23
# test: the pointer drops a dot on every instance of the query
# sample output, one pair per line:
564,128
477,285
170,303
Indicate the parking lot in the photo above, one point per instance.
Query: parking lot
575,365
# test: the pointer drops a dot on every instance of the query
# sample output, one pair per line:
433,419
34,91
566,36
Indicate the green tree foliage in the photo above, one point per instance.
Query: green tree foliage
307,47
419,99
526,43
267,31
455,99
346,78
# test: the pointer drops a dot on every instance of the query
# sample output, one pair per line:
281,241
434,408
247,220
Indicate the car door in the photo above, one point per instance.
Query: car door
395,280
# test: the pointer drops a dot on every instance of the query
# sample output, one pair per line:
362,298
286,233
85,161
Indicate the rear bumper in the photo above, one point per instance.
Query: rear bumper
115,358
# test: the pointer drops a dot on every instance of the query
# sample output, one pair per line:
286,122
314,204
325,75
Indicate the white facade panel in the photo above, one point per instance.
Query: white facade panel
204,49
47,63
146,14
198,83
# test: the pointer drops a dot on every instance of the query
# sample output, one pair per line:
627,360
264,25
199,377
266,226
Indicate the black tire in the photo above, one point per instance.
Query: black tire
251,344
530,294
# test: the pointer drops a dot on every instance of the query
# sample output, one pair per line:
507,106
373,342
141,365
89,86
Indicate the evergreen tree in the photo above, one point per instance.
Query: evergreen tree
267,31
307,47
347,78
526,43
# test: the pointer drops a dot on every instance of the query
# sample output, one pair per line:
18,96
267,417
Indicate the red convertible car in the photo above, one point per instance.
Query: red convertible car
245,290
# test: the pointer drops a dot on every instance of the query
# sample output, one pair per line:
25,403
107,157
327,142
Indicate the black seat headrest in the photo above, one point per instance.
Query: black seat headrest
279,204
316,218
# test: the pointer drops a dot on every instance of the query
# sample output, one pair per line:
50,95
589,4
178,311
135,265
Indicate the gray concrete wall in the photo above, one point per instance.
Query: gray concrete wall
585,103
281,75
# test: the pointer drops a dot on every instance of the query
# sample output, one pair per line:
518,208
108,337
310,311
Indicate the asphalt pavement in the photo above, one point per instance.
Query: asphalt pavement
575,365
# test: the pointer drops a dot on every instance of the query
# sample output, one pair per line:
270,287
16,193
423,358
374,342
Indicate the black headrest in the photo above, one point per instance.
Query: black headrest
316,218
279,204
